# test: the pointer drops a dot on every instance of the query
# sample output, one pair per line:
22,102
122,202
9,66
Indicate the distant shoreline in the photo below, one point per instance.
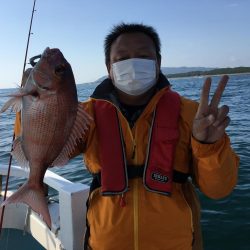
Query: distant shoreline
191,74
205,75
213,72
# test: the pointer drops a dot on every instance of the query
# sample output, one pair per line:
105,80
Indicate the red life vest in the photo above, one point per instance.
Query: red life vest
164,135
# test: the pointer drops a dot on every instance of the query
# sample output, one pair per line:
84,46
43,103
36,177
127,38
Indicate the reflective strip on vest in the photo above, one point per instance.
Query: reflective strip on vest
164,135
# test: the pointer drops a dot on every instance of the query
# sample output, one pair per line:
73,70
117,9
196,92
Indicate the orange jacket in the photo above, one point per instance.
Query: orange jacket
152,221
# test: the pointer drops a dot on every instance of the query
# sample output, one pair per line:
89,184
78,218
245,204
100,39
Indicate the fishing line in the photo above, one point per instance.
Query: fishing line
10,158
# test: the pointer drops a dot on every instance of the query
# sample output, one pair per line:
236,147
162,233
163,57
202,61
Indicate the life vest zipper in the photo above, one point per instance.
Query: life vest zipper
135,196
135,192
133,153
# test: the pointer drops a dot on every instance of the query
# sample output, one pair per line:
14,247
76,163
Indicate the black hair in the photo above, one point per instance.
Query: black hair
122,28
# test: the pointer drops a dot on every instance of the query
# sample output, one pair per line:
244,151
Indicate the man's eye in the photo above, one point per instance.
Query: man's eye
121,58
144,56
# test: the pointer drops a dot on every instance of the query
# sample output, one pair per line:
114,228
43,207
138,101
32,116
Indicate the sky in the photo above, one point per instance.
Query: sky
213,33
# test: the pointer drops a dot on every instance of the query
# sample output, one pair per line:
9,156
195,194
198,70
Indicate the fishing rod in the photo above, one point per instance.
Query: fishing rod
10,158
28,41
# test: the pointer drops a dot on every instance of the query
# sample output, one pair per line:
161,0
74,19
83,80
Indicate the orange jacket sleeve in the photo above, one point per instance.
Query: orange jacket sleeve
215,167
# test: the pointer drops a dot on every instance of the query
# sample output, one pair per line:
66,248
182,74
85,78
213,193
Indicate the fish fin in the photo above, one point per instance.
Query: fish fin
81,126
15,103
18,153
33,197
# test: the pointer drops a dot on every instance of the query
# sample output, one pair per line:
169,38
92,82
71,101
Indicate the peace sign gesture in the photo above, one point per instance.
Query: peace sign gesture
211,121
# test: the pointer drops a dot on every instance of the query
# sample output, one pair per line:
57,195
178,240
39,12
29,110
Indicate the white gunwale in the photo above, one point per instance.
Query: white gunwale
68,215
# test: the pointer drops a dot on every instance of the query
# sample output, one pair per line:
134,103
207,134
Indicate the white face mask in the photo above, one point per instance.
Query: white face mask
134,76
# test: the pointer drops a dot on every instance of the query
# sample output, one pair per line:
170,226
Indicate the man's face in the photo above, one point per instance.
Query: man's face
132,45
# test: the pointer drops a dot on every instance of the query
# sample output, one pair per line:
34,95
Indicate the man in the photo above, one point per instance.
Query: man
147,147
143,145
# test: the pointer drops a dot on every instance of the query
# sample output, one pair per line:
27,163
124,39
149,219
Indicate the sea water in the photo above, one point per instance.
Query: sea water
225,222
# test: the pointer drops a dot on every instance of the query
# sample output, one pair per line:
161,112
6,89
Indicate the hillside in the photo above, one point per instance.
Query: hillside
175,72
217,71
184,69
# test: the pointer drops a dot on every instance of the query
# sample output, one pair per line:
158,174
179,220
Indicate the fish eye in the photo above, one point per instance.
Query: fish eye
60,69
35,96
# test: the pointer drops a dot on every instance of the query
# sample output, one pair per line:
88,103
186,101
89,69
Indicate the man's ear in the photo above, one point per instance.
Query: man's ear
159,64
159,61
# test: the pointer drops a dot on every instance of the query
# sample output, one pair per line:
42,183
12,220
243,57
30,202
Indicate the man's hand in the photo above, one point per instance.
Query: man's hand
211,121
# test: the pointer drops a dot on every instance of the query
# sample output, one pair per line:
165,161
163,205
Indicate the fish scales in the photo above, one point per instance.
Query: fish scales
51,125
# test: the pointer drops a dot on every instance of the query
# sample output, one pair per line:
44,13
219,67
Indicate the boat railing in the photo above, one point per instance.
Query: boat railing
67,215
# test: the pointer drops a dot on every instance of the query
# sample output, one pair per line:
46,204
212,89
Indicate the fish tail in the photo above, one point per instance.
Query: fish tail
33,197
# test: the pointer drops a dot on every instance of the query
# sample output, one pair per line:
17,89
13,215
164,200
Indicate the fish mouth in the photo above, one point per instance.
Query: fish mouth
56,56
54,53
46,52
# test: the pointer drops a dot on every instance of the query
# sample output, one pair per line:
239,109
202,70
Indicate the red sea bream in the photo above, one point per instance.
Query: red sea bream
52,121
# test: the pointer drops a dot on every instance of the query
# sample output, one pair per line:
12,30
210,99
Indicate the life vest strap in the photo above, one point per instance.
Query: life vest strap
137,172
